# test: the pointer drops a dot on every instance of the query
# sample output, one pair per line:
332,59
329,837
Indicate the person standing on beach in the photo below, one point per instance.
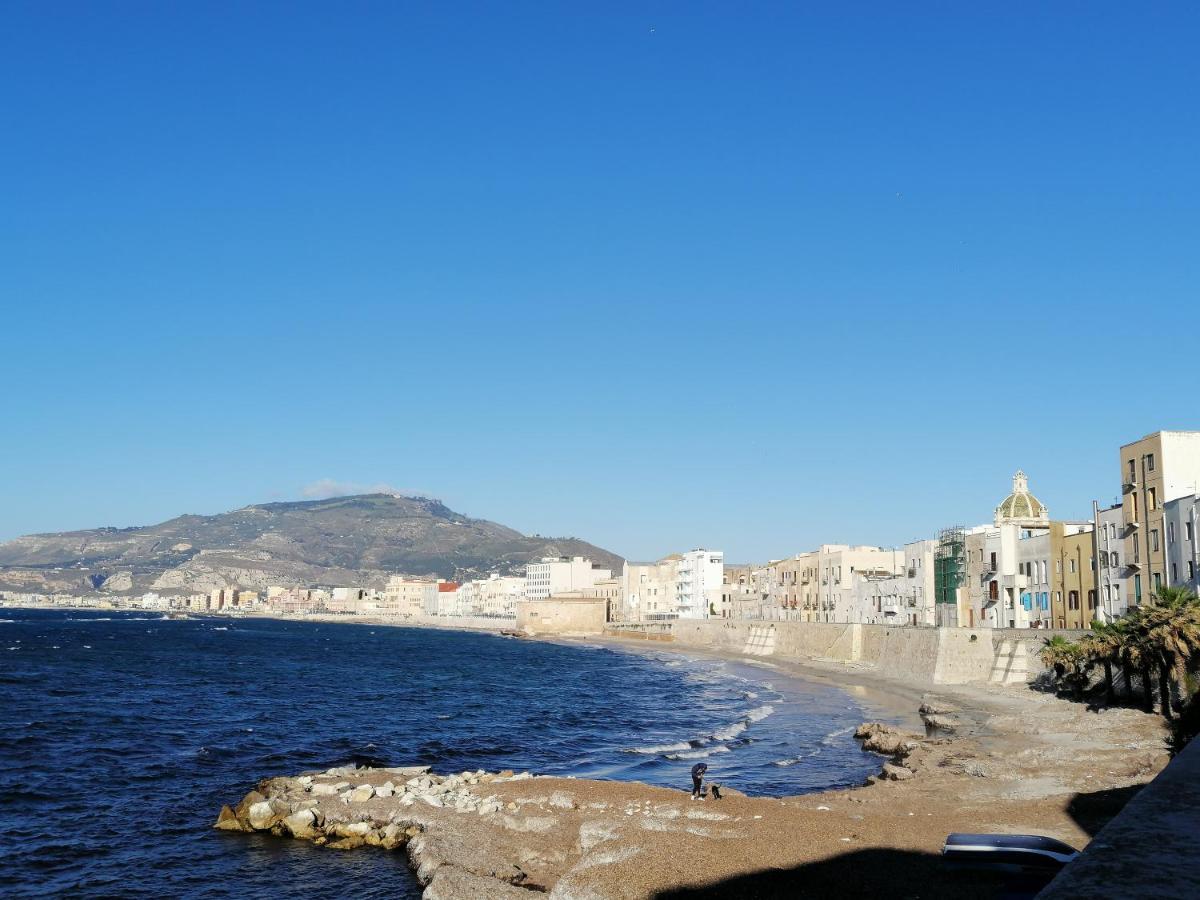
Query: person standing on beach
698,771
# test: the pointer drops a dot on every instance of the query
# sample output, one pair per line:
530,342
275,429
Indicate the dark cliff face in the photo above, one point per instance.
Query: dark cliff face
358,539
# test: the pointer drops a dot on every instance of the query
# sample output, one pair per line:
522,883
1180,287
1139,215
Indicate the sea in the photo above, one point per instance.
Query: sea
122,734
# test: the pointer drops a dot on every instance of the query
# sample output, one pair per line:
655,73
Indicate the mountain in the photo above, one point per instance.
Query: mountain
352,541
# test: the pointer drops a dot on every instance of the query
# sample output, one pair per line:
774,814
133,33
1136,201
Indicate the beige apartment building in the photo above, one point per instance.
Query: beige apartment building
408,596
1155,470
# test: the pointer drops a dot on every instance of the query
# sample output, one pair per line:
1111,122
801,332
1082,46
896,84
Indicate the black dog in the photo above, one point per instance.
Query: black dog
716,791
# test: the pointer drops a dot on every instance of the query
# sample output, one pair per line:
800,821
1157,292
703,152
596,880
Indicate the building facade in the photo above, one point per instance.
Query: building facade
1155,470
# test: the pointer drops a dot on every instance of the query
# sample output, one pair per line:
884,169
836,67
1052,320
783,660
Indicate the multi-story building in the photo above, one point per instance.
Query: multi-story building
746,593
649,590
560,575
829,584
500,594
997,581
408,597
903,598
1155,470
1183,550
1112,585
698,578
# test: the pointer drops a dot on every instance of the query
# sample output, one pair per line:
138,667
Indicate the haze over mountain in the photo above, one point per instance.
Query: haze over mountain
354,541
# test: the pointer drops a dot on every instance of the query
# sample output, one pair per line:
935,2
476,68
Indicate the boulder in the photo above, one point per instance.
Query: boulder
362,793
324,790
301,824
893,772
261,816
228,820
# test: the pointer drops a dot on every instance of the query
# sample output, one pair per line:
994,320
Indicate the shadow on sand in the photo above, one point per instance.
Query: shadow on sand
902,873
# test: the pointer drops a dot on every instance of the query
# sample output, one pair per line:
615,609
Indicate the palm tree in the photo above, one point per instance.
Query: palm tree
1055,654
1171,635
1103,646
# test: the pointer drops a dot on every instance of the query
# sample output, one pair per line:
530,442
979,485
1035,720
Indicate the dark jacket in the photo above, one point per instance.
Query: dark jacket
699,769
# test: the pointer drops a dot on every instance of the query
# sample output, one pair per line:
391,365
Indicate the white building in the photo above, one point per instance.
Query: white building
699,575
408,597
560,575
498,595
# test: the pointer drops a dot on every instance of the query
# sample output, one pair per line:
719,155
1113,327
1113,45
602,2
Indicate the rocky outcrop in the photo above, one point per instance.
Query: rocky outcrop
479,834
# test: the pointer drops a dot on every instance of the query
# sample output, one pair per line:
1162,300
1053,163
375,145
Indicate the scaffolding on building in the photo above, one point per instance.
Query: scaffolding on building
949,573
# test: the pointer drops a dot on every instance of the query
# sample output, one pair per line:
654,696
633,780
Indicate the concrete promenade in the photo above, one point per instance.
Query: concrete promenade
1149,849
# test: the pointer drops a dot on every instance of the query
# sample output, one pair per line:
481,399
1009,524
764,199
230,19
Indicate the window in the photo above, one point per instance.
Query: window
993,562
1116,559
1191,570
1157,581
1104,559
1072,567
1154,539
1058,567
1187,530
1151,500
1149,462
1170,532
1091,599
1133,501
1174,573
1132,471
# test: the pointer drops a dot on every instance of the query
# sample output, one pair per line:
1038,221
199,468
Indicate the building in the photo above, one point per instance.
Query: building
445,601
903,598
1155,470
1183,553
649,590
499,595
408,597
997,577
560,575
1110,573
746,593
699,574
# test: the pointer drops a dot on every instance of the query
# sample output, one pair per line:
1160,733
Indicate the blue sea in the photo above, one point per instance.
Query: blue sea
121,735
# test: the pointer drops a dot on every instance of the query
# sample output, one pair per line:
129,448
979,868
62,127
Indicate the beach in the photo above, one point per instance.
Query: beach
1009,759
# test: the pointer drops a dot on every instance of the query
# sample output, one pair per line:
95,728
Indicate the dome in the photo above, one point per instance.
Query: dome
1021,506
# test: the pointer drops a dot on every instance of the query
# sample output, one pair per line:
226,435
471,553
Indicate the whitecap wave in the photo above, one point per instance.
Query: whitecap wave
729,732
662,748
757,715
699,754
831,738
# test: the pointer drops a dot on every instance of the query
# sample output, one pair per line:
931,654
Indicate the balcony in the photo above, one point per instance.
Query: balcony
1129,486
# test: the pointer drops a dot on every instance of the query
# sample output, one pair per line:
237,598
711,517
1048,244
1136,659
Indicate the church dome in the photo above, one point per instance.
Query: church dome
1021,506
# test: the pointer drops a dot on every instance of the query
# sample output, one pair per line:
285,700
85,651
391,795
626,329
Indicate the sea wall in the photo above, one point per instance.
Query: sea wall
936,655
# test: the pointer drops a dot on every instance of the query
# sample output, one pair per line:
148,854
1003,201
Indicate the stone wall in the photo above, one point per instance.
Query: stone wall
937,655
562,616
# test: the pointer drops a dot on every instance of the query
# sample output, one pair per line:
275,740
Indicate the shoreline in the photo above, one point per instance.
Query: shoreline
1017,761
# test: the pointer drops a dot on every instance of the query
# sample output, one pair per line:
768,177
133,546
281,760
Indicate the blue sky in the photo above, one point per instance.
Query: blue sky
658,275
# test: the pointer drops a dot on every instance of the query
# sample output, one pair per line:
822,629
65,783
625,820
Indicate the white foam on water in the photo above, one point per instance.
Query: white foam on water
757,715
829,739
663,748
699,754
729,732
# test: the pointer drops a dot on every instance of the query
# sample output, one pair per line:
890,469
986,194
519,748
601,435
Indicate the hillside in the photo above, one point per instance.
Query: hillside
357,540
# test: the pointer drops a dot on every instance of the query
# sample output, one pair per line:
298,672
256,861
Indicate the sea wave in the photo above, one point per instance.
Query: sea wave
830,739
662,748
699,754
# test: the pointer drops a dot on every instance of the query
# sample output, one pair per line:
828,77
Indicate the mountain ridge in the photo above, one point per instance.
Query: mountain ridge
355,540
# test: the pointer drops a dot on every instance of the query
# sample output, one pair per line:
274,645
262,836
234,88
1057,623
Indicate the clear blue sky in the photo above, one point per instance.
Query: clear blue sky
749,276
